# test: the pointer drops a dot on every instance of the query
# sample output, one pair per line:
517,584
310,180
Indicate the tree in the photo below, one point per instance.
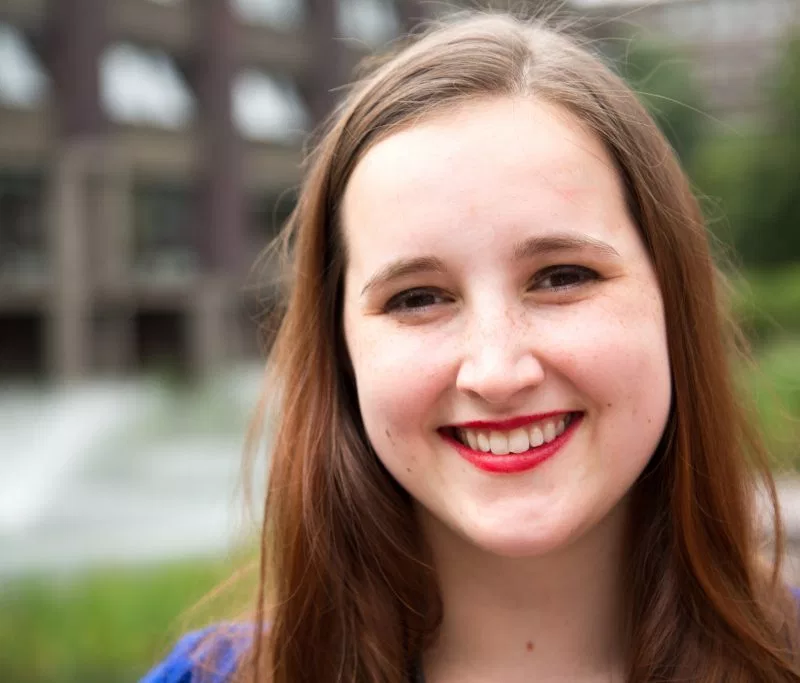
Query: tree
663,81
770,230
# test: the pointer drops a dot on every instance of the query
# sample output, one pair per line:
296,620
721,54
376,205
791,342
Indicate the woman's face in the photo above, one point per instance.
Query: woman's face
504,323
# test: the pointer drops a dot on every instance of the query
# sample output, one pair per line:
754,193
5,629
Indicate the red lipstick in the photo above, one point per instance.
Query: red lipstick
513,463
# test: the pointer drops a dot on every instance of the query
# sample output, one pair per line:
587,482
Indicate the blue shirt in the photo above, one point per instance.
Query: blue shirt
190,662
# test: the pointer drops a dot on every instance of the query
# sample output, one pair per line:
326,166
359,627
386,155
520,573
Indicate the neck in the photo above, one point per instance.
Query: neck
559,617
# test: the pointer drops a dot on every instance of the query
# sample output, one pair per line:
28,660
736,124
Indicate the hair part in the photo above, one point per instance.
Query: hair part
346,583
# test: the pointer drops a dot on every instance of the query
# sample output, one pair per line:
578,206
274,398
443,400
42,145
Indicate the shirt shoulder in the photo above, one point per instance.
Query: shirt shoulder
206,656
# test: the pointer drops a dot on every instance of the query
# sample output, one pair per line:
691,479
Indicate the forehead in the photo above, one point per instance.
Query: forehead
476,170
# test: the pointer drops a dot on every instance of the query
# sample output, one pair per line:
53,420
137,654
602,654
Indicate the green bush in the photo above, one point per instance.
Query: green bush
775,387
719,172
767,304
105,626
662,79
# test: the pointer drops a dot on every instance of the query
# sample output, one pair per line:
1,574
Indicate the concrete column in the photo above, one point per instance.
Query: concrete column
78,37
114,331
222,236
211,332
221,220
67,332
76,40
328,57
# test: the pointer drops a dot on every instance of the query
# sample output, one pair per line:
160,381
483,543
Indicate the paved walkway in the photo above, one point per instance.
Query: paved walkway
119,474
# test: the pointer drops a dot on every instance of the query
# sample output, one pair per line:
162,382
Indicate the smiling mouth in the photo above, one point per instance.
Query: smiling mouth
518,440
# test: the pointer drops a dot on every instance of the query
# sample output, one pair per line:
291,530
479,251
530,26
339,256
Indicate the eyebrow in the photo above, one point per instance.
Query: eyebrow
404,267
528,248
548,244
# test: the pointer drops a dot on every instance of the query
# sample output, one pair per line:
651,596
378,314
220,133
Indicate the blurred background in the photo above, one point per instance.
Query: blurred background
149,149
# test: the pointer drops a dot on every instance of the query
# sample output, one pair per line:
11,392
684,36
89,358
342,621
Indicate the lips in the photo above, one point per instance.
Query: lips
513,445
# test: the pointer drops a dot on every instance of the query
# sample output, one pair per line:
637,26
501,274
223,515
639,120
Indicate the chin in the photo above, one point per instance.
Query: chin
519,543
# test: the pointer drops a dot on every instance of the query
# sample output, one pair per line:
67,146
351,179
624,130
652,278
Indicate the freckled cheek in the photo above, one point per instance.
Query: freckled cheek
630,376
400,385
618,361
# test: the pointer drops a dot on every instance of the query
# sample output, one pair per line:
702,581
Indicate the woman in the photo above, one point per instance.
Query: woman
509,445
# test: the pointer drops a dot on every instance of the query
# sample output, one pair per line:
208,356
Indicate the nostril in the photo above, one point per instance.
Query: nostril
498,378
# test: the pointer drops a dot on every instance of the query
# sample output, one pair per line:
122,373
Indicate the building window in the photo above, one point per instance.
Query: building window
372,22
161,342
22,346
266,107
23,81
145,87
284,15
163,240
22,236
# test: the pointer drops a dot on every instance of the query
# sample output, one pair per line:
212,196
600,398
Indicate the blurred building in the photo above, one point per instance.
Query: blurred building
148,151
731,46
146,148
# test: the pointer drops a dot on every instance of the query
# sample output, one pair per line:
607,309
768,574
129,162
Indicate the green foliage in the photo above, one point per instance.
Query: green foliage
720,171
107,626
775,386
752,179
786,92
767,304
769,234
663,81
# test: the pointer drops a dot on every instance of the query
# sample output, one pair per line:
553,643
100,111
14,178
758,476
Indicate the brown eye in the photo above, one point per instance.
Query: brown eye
414,300
563,277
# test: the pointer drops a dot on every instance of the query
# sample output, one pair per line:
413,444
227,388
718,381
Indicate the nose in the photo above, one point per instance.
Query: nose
499,363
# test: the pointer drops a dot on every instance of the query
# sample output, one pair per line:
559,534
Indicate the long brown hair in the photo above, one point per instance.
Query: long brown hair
345,585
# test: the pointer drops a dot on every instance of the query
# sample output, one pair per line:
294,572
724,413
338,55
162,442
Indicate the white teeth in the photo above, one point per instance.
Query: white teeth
518,441
499,443
536,437
472,440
